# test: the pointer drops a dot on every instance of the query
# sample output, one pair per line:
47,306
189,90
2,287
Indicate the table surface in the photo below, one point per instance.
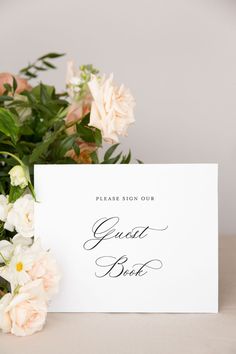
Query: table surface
141,333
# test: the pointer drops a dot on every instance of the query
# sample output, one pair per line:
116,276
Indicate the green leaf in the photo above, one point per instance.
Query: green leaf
85,133
15,193
48,91
112,160
42,148
40,68
9,125
30,74
31,97
98,137
5,98
14,84
110,151
44,94
62,113
126,159
139,161
7,87
26,130
48,64
94,157
23,70
76,148
86,119
51,56
65,145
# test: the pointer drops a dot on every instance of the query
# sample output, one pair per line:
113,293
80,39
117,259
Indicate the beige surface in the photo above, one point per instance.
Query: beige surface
141,333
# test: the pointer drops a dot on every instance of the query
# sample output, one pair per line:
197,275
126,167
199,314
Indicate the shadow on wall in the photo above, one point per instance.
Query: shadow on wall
227,270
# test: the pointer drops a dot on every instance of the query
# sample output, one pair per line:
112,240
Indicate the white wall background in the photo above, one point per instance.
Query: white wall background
177,56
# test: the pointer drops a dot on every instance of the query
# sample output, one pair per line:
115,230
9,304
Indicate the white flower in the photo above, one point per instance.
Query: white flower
16,269
18,176
73,79
4,207
21,216
25,313
7,248
112,108
24,263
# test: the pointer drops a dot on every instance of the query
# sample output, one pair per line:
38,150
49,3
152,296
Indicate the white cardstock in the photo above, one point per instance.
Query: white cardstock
131,238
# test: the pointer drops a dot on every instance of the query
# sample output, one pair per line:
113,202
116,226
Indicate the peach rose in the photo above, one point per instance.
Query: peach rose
45,268
26,312
77,111
85,151
6,78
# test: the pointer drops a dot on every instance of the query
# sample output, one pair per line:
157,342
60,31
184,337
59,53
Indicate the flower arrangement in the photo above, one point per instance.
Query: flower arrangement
40,125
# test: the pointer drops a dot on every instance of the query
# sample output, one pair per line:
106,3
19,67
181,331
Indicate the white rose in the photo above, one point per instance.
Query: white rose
4,207
21,240
112,108
6,250
18,176
21,216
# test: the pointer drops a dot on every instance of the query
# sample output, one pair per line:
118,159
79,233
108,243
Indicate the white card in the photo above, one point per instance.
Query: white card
131,238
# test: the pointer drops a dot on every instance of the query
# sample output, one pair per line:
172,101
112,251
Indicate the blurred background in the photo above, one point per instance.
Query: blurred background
178,57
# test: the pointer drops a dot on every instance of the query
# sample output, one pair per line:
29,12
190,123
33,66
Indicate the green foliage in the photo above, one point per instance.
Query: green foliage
9,125
32,70
122,159
15,193
34,129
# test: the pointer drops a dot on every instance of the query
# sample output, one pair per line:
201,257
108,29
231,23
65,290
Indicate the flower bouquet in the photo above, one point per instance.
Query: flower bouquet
38,125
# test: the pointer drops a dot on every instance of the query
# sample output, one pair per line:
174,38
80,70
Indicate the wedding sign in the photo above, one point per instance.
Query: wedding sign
131,238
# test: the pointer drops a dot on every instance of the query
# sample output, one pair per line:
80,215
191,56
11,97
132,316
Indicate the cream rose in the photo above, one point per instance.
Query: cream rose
21,216
45,268
24,313
5,320
112,108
